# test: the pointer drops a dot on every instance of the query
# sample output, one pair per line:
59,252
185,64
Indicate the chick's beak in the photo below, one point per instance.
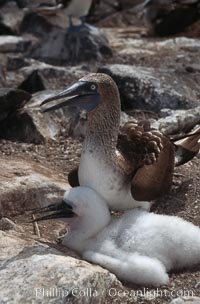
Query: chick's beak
62,210
78,95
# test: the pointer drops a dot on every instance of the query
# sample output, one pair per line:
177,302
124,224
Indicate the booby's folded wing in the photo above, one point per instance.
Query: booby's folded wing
151,155
152,181
139,145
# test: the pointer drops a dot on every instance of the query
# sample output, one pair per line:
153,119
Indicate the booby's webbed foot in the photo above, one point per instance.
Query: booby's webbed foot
87,26
77,28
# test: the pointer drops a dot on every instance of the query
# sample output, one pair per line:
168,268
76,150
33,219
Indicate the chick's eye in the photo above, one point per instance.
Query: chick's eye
93,87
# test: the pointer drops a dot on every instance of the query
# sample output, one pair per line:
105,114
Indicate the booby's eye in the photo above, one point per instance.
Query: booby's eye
93,87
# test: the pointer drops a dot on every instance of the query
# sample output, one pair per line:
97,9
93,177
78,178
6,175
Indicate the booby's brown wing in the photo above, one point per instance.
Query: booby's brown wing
151,155
152,181
139,144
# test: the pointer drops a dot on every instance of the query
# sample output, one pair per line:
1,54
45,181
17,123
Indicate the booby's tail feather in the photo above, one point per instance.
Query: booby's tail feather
187,147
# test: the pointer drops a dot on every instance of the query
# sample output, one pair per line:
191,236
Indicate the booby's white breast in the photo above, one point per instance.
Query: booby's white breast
78,8
107,180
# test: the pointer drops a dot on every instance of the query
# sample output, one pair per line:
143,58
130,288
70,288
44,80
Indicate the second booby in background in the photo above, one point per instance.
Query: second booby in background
139,247
72,8
78,9
127,167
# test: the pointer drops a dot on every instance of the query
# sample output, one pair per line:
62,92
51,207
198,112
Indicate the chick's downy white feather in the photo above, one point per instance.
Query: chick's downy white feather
139,247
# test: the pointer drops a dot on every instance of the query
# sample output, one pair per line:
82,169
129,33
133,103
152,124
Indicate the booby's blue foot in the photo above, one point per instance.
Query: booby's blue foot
87,26
77,28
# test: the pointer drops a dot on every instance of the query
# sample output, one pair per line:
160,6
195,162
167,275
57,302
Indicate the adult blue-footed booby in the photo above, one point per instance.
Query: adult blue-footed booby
71,8
128,168
139,247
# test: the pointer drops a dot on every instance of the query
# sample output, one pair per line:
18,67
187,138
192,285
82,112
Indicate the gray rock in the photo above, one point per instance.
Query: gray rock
2,77
43,17
119,14
186,300
16,62
48,126
36,24
177,121
25,185
29,124
148,89
13,44
10,246
71,48
50,71
33,273
26,70
10,19
7,224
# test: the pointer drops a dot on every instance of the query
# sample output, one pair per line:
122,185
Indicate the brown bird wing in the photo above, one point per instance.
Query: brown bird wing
152,158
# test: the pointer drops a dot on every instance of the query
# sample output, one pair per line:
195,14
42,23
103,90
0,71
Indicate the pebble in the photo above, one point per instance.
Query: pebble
7,224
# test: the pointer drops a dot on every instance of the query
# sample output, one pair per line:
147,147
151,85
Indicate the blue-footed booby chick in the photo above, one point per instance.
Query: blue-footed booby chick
140,247
127,167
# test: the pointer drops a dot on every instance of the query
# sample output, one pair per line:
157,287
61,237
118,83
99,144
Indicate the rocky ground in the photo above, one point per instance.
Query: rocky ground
158,79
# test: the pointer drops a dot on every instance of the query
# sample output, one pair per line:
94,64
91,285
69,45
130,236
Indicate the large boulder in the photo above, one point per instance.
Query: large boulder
148,89
36,24
25,185
10,19
13,44
71,47
35,273
23,121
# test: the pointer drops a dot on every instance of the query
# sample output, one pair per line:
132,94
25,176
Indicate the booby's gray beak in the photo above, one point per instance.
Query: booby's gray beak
82,94
63,210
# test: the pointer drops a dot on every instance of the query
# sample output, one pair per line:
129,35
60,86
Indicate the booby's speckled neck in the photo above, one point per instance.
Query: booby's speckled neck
103,122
